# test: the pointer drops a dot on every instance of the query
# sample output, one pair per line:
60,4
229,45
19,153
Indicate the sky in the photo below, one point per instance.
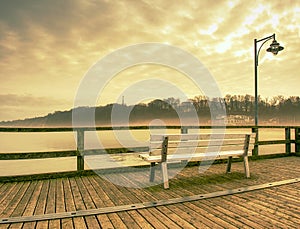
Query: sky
47,48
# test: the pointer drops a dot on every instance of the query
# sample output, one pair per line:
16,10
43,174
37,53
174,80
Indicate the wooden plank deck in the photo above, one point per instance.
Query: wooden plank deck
272,207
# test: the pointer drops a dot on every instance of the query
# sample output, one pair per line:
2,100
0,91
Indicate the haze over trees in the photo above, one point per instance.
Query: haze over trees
277,110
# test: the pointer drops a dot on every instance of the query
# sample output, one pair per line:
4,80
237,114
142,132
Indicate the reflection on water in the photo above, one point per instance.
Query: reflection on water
39,142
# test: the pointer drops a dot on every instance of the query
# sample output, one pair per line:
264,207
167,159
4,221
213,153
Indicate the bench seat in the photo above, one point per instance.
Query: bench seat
165,149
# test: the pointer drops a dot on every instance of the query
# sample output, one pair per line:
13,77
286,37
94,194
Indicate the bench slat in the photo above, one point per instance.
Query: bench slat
191,150
198,143
193,157
182,137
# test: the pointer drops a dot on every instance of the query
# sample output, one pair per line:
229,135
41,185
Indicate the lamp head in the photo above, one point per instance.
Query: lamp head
275,47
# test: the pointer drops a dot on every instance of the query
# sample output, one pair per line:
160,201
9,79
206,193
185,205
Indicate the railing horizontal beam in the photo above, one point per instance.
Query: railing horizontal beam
273,142
71,129
37,155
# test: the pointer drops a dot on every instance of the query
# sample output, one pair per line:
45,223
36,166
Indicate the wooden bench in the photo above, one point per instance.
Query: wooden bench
197,147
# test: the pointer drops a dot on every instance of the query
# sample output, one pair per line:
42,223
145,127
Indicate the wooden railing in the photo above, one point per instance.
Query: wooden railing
80,150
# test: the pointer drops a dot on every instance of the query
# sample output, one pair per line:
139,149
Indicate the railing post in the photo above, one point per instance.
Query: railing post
80,148
184,130
297,140
288,140
255,150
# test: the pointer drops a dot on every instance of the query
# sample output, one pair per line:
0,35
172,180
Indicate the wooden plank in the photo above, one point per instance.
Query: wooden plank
266,212
12,201
20,208
31,205
55,223
102,197
279,210
79,204
287,211
28,225
69,203
85,195
67,223
51,197
210,217
178,219
78,201
91,221
139,220
79,223
250,217
292,201
15,226
243,215
114,218
153,217
209,220
116,221
145,218
117,198
104,221
3,187
6,191
51,203
262,218
156,219
60,205
41,204
232,218
198,217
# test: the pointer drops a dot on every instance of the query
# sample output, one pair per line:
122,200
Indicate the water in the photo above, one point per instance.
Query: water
55,141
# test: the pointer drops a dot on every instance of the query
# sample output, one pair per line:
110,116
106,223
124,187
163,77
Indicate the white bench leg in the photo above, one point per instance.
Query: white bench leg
152,171
246,166
164,170
228,169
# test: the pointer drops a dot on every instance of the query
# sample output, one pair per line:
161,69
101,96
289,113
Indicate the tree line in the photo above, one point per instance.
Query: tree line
283,110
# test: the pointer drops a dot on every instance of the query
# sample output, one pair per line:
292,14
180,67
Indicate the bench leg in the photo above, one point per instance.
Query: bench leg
152,171
228,169
164,170
246,166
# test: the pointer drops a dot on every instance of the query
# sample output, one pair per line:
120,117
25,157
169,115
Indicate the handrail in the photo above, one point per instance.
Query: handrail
71,129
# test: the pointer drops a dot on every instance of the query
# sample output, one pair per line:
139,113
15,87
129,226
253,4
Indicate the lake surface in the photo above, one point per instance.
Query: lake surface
40,142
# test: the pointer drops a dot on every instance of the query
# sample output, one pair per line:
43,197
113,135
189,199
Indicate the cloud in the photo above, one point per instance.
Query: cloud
12,100
47,46
15,106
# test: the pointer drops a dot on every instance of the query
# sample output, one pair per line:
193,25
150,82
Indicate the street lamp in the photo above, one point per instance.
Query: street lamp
274,48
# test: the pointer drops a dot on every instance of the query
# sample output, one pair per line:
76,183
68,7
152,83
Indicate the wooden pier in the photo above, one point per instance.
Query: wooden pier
269,199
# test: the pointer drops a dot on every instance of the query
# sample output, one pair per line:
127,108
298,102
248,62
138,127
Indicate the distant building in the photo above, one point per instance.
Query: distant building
238,120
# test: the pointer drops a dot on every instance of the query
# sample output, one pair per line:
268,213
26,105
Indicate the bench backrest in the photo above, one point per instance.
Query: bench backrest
200,143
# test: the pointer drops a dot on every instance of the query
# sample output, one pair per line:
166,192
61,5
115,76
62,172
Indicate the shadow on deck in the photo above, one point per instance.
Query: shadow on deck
270,198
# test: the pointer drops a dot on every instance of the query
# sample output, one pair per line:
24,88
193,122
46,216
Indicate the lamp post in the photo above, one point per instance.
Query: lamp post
274,48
